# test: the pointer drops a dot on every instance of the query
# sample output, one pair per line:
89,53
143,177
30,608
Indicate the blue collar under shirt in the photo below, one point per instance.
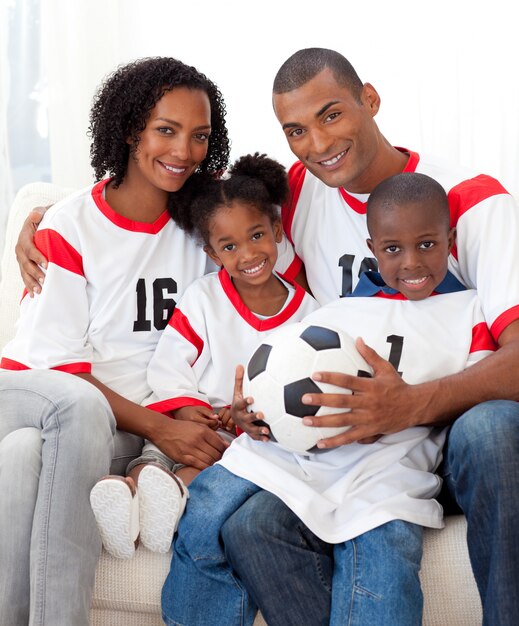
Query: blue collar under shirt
372,284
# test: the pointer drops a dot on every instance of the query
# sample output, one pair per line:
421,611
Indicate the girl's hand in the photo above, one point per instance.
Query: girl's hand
244,419
199,414
226,420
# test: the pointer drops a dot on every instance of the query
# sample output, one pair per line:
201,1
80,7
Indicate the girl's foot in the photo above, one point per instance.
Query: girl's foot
115,505
162,500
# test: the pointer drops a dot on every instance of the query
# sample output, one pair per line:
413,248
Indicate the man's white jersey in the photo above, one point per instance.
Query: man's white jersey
344,492
211,332
327,227
110,289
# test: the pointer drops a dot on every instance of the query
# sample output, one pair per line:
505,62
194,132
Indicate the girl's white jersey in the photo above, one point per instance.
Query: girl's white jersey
327,227
344,492
110,289
210,333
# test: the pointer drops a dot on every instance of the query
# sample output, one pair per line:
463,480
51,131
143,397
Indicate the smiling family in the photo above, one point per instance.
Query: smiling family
152,332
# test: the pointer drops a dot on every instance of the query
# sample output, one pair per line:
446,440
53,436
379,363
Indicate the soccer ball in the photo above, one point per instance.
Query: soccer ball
280,372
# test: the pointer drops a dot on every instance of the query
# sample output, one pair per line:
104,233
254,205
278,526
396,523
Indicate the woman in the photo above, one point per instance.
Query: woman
116,264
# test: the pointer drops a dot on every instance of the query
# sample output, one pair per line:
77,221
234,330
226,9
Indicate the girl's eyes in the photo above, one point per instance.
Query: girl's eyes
202,136
229,247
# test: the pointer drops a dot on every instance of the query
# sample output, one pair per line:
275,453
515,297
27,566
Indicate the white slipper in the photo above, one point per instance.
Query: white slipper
116,509
162,500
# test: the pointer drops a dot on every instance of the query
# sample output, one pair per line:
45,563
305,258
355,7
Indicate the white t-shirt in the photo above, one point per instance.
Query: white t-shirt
327,227
210,333
344,492
110,289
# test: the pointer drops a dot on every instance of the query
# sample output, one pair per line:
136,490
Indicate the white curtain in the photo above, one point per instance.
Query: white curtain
6,183
446,71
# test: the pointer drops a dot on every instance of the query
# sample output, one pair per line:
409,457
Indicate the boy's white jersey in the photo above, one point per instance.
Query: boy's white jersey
211,332
110,289
327,227
344,492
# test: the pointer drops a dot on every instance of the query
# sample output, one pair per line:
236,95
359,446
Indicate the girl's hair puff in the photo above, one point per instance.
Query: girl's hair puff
122,106
254,179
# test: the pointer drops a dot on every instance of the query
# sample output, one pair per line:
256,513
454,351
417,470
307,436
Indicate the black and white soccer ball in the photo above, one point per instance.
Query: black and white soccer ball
280,372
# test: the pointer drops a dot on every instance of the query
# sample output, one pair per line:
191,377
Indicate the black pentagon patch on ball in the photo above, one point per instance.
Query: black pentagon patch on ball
321,338
258,361
292,395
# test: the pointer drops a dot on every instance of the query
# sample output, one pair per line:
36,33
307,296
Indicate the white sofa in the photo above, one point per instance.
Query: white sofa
127,592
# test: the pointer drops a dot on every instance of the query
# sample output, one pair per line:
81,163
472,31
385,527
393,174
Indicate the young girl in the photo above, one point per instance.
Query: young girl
216,325
116,264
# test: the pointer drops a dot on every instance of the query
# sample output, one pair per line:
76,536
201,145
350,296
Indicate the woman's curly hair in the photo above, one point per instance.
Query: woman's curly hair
122,106
254,179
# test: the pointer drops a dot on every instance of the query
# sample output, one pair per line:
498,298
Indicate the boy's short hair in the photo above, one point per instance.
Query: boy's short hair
408,188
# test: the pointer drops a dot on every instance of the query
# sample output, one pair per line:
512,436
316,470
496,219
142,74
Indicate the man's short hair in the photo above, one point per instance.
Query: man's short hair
305,64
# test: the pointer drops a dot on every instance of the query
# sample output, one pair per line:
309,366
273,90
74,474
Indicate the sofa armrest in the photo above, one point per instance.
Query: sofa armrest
11,286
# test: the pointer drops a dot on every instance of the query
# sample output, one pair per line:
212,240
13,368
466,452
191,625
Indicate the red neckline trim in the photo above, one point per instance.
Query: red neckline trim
151,228
248,315
360,207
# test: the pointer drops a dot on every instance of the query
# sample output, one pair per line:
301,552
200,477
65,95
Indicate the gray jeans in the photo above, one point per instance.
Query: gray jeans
56,441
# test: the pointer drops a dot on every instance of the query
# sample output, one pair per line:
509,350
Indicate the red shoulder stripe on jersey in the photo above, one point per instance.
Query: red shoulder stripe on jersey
123,222
296,177
248,315
293,269
469,193
482,339
504,320
71,368
176,403
183,326
58,251
360,207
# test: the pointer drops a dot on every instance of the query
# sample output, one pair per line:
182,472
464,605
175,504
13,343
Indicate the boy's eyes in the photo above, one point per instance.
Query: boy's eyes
257,236
392,249
426,245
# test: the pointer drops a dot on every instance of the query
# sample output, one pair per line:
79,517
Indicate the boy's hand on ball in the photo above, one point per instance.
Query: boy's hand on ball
241,416
383,403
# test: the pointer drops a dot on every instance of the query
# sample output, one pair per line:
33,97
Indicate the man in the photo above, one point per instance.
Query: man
327,115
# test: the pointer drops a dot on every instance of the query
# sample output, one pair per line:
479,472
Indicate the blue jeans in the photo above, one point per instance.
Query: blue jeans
56,441
481,470
236,537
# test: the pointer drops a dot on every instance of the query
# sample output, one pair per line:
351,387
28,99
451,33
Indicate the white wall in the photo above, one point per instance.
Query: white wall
446,70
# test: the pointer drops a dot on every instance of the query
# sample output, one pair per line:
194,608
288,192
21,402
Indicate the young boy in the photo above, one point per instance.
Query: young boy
428,325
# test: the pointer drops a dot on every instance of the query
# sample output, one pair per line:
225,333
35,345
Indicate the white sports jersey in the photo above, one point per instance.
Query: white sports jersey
210,333
110,289
344,492
327,227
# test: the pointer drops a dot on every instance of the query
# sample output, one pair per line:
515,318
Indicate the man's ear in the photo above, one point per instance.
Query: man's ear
452,238
212,255
370,98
